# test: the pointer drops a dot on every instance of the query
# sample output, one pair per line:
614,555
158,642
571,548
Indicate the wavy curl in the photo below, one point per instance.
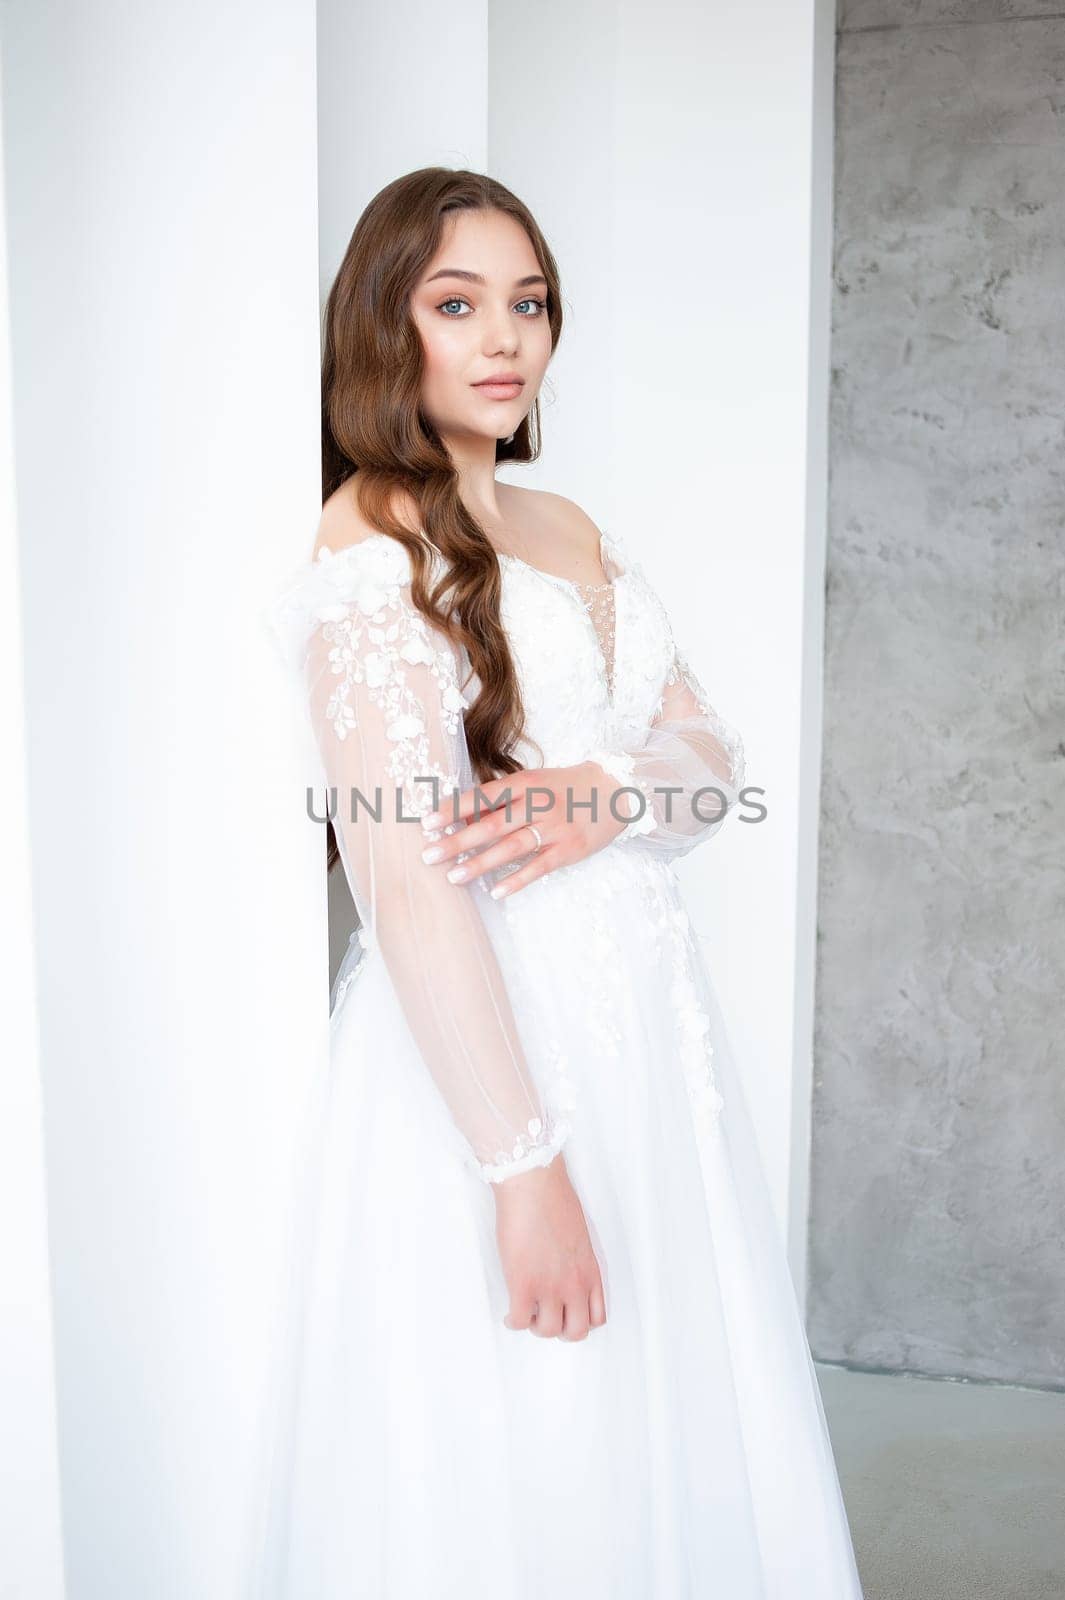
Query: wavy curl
373,425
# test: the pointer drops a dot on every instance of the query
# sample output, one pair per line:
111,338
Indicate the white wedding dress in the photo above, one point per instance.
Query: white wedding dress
417,1448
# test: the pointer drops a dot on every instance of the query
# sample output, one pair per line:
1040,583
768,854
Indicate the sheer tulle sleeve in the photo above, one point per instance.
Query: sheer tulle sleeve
383,692
688,771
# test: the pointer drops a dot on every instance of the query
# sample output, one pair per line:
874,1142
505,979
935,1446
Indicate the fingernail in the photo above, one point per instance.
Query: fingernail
433,854
498,892
433,820
457,874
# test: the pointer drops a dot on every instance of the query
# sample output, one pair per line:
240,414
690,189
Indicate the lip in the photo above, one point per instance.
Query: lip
501,386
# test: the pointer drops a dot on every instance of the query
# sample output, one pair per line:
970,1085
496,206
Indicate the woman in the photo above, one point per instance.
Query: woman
542,1336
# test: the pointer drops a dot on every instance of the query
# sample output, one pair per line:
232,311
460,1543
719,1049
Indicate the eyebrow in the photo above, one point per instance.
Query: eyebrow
475,277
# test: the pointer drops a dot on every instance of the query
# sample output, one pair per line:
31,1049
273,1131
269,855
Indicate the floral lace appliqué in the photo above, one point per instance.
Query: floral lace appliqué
675,938
372,641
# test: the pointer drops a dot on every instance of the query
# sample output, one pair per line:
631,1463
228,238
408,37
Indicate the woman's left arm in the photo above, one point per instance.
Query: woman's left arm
664,796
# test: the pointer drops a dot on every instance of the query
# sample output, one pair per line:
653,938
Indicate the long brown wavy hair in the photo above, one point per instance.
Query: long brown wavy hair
373,424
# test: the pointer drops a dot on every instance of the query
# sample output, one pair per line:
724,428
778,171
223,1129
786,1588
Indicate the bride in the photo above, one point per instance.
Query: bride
539,1334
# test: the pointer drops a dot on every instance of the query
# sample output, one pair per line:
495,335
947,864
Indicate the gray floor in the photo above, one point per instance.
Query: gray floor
954,1491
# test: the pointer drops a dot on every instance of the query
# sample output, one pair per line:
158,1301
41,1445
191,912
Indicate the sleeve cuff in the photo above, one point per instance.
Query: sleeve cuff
525,1155
620,765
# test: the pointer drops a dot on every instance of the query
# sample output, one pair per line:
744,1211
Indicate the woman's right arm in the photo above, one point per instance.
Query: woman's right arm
383,694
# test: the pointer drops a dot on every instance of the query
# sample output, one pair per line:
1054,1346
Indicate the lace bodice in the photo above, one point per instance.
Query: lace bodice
598,598
567,668
601,679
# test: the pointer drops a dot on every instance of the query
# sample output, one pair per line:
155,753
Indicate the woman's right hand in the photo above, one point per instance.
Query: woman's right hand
550,1268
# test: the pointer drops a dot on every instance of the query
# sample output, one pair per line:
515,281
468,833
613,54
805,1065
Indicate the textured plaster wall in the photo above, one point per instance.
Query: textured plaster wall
938,1170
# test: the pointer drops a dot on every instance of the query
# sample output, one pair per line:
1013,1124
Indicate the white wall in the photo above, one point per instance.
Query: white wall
162,229
31,1551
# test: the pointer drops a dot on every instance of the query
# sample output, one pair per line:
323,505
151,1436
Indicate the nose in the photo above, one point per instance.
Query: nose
501,333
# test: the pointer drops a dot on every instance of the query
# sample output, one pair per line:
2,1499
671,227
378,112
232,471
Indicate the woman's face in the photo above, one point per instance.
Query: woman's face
481,311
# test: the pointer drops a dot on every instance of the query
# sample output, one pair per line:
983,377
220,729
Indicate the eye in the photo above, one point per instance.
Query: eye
539,306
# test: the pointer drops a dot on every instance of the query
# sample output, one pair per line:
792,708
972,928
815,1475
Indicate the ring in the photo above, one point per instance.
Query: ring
534,829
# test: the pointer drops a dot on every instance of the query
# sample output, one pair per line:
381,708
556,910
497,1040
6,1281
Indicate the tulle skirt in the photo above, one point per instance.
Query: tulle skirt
414,1448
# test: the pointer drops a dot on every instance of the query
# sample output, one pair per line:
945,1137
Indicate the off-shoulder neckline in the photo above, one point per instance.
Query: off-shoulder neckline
327,554
571,583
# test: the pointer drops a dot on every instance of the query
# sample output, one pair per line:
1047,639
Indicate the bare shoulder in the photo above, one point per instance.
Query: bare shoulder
571,517
343,521
558,516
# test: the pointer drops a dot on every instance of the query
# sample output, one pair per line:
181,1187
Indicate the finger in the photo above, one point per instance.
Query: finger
522,1311
597,1306
543,862
548,1321
467,836
463,805
493,853
512,847
575,1318
489,827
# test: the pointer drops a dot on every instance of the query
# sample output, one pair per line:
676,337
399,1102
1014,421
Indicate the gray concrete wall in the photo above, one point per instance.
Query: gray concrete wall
938,1173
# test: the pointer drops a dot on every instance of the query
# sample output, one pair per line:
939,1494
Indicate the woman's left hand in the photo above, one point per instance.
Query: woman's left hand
558,800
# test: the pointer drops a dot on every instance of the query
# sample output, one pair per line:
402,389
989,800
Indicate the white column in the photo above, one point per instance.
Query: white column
162,231
31,1540
401,86
678,157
